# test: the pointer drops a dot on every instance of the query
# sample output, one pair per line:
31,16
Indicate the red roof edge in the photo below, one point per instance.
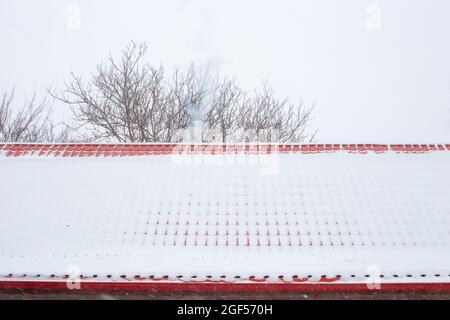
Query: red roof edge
225,287
120,150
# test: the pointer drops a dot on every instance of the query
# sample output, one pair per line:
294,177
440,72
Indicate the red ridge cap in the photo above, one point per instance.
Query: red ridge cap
120,150
223,286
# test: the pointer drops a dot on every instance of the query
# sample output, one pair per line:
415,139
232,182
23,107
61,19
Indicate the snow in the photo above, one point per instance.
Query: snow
222,217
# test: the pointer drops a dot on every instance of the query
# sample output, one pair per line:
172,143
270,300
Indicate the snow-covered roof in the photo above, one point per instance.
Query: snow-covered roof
285,217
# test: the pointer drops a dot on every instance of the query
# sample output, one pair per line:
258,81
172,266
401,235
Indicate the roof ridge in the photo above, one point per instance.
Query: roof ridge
130,149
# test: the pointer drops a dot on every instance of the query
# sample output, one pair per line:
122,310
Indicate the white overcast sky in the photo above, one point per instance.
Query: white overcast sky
378,71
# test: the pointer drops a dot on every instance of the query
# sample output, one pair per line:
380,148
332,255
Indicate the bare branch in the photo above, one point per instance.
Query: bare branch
30,123
127,100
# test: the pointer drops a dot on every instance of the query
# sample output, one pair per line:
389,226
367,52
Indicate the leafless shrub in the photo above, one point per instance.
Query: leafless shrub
187,94
31,123
227,109
266,115
127,100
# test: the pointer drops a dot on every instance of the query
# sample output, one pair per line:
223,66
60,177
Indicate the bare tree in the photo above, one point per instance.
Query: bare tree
266,115
187,96
127,100
226,109
124,101
30,123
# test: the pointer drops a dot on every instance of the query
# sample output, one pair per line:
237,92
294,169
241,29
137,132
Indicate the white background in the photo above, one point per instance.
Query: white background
385,85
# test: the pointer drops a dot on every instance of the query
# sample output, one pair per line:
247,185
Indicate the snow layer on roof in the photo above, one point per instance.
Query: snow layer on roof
294,215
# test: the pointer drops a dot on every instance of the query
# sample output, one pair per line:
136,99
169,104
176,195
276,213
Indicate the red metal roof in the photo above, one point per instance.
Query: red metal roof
122,150
436,282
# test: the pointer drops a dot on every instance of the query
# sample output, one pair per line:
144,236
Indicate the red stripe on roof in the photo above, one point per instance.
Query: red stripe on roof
120,150
225,287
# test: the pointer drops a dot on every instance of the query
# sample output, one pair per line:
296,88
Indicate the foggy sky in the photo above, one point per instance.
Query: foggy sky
373,81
